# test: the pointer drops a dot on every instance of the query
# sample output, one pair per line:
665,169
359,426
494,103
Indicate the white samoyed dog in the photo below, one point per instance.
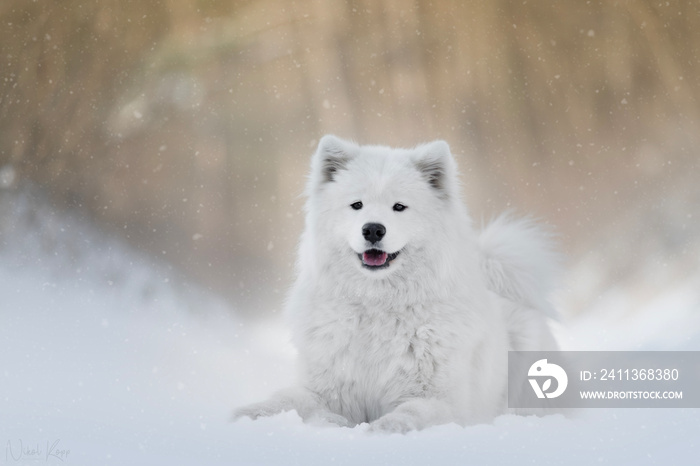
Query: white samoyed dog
402,314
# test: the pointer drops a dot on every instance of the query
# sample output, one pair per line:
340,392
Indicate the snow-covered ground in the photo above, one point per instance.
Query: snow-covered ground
107,357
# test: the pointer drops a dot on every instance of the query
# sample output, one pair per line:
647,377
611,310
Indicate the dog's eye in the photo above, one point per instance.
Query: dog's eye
399,207
356,205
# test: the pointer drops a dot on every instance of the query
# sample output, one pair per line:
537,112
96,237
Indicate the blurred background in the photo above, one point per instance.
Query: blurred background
186,127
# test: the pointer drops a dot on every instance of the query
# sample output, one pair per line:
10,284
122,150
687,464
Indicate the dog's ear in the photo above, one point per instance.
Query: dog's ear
434,161
332,156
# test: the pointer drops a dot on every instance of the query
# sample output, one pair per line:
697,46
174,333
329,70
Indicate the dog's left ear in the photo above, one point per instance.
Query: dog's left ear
434,161
332,156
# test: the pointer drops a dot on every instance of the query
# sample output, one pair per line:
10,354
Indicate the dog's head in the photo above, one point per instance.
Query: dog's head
376,206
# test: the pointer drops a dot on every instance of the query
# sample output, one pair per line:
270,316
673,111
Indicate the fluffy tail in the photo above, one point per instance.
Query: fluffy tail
519,262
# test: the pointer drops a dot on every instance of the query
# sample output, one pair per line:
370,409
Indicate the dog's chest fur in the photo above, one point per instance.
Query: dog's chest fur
365,358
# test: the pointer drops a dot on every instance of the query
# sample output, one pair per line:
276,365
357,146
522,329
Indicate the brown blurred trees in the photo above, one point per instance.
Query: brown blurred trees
187,125
65,65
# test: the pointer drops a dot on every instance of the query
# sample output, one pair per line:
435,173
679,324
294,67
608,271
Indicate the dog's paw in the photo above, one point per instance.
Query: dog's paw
394,423
326,417
256,410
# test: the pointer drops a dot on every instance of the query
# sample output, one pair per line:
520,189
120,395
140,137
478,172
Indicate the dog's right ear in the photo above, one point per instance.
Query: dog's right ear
332,156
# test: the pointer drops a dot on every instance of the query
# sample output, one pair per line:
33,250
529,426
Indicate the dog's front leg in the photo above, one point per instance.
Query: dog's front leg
306,403
414,414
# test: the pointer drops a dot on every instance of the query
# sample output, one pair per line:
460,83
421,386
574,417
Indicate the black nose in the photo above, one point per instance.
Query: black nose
373,232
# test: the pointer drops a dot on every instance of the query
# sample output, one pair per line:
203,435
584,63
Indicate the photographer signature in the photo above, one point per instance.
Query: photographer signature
17,451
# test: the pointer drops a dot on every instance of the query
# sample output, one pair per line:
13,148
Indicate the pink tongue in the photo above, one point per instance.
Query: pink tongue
374,258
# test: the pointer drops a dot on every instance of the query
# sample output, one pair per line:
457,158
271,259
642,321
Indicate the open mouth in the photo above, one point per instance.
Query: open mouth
376,258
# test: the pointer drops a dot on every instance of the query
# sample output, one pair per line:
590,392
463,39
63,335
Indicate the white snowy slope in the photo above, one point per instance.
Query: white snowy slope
106,358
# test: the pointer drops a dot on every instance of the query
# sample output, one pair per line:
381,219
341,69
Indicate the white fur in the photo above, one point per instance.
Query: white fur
425,340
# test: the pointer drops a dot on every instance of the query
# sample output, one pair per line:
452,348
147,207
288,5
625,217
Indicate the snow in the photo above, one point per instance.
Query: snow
111,357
